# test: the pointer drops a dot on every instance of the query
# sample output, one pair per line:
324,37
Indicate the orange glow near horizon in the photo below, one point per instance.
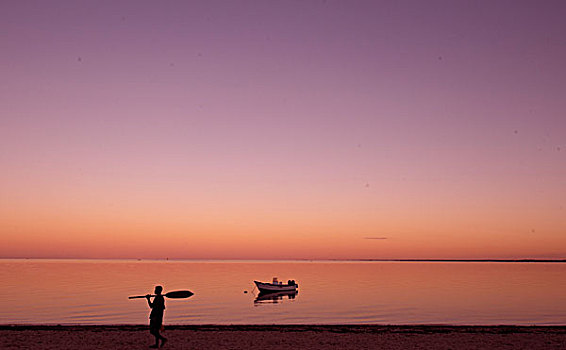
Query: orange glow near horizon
324,223
306,228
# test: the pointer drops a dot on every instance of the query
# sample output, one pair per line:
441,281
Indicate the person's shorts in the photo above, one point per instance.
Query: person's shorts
155,325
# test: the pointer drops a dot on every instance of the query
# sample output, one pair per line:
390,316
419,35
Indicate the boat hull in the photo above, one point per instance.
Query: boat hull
272,288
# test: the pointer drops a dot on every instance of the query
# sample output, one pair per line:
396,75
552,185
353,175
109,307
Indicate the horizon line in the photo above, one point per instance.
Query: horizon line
534,260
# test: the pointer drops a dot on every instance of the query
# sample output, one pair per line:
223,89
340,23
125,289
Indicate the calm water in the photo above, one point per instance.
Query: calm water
95,292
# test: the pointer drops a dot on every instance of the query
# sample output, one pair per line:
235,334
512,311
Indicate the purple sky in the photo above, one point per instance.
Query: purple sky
397,119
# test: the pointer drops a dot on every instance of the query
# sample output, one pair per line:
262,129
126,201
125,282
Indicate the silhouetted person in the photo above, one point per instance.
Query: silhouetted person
156,316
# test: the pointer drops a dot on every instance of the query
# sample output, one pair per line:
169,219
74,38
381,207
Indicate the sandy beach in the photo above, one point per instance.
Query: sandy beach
292,337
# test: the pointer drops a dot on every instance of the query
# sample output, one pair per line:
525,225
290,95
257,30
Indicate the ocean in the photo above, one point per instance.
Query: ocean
88,292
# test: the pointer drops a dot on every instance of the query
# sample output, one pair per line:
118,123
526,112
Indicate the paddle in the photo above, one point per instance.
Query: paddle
177,294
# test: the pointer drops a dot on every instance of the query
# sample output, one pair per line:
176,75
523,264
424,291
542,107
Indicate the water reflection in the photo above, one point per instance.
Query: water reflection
275,297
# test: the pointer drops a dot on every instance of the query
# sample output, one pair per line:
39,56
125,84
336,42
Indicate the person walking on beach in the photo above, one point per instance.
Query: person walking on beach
156,316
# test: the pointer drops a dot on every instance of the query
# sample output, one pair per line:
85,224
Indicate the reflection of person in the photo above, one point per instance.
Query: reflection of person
156,316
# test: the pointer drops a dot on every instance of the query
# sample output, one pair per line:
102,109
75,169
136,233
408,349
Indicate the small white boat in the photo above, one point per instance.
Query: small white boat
276,286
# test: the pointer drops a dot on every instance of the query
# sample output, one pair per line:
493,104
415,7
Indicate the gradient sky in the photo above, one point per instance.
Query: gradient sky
283,129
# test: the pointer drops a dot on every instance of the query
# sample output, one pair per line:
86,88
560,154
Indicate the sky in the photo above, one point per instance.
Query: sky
283,129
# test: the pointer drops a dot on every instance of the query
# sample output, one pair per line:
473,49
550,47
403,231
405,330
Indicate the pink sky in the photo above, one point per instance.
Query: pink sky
295,129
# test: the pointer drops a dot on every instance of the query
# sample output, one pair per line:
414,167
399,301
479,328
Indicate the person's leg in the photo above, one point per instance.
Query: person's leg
163,339
156,345
154,330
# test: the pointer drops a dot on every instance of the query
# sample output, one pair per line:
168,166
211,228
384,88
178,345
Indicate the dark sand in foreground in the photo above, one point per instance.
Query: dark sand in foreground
285,337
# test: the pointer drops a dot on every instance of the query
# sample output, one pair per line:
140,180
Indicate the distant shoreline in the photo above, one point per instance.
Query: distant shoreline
470,260
301,260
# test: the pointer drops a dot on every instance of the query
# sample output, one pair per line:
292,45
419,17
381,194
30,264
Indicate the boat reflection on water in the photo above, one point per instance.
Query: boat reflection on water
275,297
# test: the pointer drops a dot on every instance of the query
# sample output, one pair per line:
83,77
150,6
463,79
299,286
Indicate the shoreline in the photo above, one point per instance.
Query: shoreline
317,337
291,327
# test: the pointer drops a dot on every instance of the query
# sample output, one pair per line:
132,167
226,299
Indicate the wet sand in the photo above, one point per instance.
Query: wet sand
285,337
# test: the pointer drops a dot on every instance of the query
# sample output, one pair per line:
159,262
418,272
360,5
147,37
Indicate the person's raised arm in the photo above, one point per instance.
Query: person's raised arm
149,301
